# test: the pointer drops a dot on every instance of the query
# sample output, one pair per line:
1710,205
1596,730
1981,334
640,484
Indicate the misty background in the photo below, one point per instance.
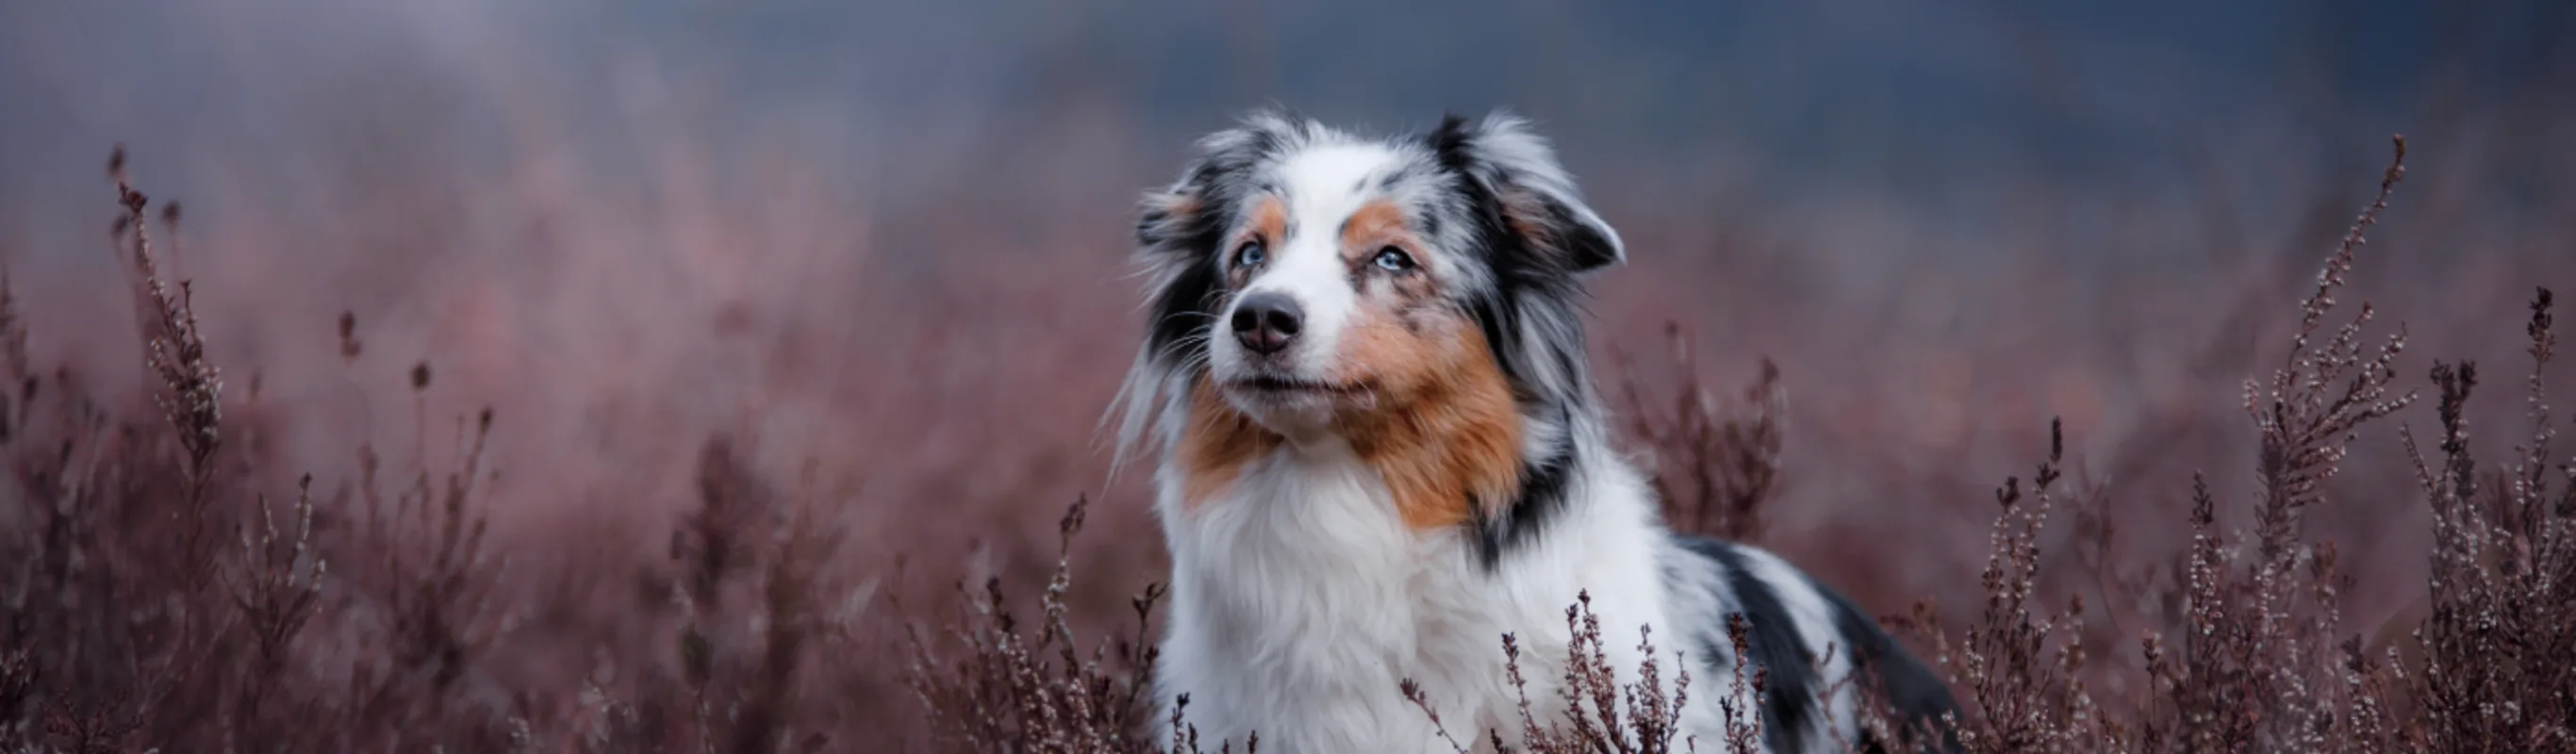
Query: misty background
887,243
1919,99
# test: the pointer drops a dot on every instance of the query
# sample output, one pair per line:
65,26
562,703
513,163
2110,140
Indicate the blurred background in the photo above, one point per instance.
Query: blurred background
883,247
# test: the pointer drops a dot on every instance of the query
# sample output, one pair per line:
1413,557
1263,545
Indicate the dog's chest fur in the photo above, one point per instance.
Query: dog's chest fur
1302,600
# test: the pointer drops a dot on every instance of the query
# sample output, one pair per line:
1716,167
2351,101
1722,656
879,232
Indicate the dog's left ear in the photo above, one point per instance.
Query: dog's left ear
1519,178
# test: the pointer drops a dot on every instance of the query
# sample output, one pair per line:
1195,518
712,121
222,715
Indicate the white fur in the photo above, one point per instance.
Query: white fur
1301,601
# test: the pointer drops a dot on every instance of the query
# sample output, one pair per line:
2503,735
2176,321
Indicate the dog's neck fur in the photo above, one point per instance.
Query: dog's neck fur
1308,588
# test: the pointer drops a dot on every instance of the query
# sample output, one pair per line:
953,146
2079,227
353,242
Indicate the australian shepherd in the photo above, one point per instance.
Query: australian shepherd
1380,450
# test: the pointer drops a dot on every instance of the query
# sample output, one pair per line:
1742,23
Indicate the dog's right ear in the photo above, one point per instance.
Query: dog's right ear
1186,220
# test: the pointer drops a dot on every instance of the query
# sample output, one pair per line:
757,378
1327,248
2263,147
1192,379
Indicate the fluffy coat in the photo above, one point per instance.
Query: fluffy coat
1379,451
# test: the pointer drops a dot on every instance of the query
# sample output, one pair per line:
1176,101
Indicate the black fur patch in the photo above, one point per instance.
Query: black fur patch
1790,685
1523,281
1913,691
1183,309
1542,494
1584,248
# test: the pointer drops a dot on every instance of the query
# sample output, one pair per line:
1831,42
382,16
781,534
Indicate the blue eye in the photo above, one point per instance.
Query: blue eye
1249,255
1392,259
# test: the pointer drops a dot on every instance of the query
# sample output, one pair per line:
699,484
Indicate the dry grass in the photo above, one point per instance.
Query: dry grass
166,585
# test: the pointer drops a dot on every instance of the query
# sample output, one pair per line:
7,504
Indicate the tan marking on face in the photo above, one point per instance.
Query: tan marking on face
1267,222
1216,444
1441,428
1402,331
1438,422
1375,225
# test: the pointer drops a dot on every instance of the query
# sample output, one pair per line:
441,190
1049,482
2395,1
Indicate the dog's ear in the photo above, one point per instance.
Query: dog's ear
1515,174
1178,228
1187,218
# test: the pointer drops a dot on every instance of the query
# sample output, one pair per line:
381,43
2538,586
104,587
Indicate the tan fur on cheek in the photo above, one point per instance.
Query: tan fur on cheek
1446,434
1216,445
1441,428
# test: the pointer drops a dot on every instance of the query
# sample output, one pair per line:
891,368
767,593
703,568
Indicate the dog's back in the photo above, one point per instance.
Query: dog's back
1818,653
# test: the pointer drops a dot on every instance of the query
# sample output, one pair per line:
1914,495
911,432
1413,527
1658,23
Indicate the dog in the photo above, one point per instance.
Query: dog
1380,451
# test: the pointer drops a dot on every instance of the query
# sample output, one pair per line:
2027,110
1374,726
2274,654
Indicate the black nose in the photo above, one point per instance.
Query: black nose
1266,322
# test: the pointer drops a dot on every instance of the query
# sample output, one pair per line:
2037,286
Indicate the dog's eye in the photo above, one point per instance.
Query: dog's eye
1392,259
1249,254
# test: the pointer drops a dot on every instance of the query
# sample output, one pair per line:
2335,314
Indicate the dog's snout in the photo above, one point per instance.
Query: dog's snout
1267,322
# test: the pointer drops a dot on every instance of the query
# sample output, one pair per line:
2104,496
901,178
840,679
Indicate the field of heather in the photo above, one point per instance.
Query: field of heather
668,376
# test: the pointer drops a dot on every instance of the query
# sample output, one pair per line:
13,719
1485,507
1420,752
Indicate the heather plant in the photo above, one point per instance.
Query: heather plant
1605,713
1716,463
2263,662
1008,690
2491,670
2255,669
117,533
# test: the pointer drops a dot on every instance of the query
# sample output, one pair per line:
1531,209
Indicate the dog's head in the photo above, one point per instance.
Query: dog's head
1316,280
